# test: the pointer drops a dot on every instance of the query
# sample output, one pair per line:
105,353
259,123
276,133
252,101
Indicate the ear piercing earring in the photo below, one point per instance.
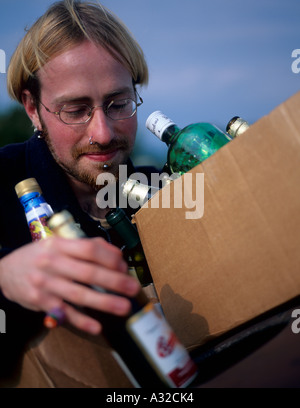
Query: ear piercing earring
38,133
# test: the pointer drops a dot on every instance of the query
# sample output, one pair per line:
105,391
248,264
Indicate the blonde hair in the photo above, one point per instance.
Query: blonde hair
65,24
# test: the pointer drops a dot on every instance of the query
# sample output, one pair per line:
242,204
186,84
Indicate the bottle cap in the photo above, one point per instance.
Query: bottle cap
114,216
128,186
58,219
157,123
29,185
140,193
63,224
236,126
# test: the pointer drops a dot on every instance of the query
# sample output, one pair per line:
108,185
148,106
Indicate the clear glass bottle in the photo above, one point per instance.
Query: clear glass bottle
145,345
36,209
188,146
236,126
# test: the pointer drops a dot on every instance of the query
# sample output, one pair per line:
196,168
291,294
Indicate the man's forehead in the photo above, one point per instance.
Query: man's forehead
85,65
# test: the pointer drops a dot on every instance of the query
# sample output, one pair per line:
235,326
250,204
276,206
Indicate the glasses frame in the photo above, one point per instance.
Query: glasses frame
104,107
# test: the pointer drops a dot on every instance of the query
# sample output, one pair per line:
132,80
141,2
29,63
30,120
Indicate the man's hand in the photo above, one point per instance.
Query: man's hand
42,275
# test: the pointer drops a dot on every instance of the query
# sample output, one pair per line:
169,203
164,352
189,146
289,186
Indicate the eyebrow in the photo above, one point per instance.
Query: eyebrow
63,99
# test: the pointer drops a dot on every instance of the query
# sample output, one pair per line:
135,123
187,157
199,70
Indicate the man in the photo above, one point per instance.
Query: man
76,72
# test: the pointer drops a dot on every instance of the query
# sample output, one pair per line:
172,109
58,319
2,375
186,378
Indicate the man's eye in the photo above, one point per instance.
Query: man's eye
123,104
76,111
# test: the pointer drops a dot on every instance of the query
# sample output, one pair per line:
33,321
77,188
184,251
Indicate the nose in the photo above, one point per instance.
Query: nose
100,127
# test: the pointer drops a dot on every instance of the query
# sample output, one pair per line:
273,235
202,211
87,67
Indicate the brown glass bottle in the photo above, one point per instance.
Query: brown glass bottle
145,345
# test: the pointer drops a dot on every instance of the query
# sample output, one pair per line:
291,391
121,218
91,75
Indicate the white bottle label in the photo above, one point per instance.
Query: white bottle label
157,123
161,347
37,221
43,210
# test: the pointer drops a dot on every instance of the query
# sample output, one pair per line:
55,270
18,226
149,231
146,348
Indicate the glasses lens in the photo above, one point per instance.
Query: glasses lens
121,109
75,114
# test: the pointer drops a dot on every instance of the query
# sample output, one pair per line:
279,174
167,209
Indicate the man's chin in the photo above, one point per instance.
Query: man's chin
109,172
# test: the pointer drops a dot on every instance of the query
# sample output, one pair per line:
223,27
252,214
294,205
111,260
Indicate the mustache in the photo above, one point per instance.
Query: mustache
99,148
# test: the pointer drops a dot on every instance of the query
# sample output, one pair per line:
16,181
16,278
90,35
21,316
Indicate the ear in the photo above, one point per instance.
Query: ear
31,109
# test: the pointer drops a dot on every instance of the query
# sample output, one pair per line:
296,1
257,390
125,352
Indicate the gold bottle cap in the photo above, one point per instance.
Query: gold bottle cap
58,219
29,185
63,224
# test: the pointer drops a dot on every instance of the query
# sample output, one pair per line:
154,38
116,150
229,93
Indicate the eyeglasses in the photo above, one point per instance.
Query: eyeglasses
81,113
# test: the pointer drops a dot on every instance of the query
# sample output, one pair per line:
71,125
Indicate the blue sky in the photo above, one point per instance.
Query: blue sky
208,60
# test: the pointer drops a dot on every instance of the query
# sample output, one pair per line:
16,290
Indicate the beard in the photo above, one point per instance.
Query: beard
89,177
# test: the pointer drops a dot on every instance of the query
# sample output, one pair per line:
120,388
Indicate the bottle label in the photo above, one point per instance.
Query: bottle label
161,347
157,123
37,218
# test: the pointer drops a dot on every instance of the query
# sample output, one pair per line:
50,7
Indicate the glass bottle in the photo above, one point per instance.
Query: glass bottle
188,146
36,209
136,192
236,126
144,343
133,252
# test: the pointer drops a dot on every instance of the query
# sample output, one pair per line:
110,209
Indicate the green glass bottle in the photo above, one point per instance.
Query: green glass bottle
133,252
188,146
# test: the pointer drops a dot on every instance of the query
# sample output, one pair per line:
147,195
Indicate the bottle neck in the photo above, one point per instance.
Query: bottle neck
63,224
236,126
170,134
139,193
31,200
121,223
30,196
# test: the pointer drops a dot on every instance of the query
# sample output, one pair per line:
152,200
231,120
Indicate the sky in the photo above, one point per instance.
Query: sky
208,60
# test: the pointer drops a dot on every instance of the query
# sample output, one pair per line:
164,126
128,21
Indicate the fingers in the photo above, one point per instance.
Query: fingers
46,274
95,250
85,296
84,272
81,321
92,262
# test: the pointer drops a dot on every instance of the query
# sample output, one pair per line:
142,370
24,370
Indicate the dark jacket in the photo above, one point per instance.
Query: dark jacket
18,162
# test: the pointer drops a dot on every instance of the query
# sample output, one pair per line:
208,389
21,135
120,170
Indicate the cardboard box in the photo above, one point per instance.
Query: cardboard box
242,257
67,358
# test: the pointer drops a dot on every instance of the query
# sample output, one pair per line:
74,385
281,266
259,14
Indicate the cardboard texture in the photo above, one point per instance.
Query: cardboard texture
67,358
242,257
